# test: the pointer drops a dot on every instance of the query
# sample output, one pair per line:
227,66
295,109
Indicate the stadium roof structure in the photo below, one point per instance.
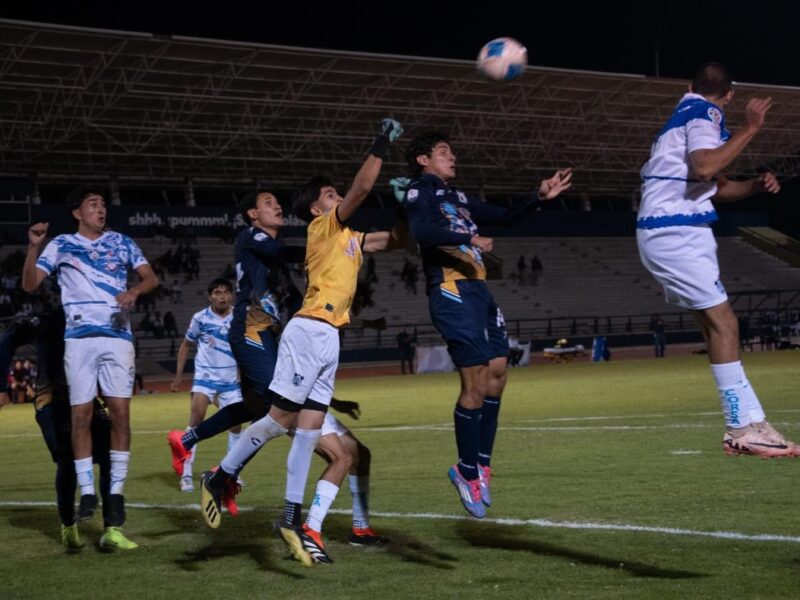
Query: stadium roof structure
80,103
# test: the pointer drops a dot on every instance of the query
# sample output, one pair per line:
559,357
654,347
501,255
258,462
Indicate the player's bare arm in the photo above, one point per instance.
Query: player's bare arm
31,276
708,163
731,191
183,354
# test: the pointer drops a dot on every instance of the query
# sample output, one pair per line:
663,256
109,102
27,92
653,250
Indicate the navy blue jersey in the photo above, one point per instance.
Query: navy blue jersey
263,284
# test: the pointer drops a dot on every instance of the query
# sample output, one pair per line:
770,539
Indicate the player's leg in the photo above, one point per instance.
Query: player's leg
199,400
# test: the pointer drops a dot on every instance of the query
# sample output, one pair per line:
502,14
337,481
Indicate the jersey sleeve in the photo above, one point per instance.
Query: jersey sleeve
136,257
263,245
48,259
193,332
704,131
423,221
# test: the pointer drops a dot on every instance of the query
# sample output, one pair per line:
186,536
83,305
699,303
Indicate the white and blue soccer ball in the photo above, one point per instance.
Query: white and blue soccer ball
502,59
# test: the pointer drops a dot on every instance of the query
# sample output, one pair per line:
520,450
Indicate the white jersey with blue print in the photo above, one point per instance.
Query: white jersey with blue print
214,365
91,274
671,193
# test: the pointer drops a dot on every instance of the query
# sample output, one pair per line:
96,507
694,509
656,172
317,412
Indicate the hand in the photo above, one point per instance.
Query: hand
346,407
391,129
175,385
127,299
550,188
399,188
767,182
37,233
756,111
484,243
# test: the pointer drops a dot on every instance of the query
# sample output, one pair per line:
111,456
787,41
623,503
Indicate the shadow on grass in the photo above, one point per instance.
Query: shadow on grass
235,537
165,478
401,545
45,521
502,537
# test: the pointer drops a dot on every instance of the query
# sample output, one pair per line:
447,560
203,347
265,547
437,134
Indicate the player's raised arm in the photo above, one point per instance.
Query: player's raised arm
731,191
390,130
31,276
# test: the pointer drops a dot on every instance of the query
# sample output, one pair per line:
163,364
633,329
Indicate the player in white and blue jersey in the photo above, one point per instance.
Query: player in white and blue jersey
216,378
680,184
92,269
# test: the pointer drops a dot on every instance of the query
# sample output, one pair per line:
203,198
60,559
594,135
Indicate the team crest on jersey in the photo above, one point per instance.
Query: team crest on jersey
94,255
462,197
297,379
352,247
412,195
111,267
714,115
260,237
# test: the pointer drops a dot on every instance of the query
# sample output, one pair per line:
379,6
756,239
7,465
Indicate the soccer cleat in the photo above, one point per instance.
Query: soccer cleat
485,479
292,537
187,485
759,439
210,504
229,493
312,543
70,537
113,538
86,507
468,491
366,537
179,453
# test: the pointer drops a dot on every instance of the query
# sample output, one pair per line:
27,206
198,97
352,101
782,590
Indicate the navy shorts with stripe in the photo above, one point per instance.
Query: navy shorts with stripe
256,363
470,322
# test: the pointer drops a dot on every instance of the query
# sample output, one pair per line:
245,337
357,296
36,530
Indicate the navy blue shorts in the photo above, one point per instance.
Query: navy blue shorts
256,362
471,323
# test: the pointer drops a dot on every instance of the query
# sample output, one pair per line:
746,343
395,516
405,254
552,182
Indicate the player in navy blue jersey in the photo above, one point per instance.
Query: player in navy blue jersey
444,222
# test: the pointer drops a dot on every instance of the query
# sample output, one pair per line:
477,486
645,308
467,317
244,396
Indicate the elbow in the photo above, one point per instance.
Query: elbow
705,175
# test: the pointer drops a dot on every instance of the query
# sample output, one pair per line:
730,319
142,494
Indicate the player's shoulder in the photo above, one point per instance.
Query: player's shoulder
425,186
695,106
255,235
201,315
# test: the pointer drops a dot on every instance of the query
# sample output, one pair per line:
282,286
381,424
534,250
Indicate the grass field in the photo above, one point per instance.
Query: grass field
611,483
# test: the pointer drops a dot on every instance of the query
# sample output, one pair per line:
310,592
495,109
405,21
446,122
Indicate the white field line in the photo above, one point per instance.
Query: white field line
541,523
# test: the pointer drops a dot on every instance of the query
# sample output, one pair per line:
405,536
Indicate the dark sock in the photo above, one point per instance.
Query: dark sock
489,413
66,483
292,513
222,420
189,439
468,431
218,479
115,515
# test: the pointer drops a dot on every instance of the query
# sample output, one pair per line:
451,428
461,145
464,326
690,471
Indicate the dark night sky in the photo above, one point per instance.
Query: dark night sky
759,44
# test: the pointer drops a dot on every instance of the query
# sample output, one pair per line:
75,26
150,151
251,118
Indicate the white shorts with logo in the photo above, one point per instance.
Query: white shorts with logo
221,399
333,425
308,355
683,259
98,362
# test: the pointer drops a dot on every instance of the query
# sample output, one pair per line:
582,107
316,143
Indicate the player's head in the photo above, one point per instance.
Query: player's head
430,152
88,207
713,80
220,294
315,198
262,209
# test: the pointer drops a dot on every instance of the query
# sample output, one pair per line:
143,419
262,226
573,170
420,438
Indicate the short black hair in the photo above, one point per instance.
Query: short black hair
80,193
308,194
220,282
423,144
249,201
712,79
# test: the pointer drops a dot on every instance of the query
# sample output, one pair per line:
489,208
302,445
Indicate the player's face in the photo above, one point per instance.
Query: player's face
268,213
91,214
220,299
328,200
441,162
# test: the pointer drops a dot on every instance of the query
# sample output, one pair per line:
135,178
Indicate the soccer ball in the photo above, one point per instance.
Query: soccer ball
502,59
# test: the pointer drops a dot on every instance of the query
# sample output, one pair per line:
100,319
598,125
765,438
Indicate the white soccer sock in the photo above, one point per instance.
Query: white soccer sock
258,434
119,470
740,404
189,462
326,494
85,473
359,487
298,462
232,439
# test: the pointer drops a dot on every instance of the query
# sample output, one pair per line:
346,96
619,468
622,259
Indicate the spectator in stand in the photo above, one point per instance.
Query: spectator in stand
229,272
158,325
658,327
522,268
536,269
170,326
177,292
146,324
409,276
372,276
406,345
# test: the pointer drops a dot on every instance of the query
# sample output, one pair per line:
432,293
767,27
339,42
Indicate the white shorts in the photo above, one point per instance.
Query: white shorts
683,259
104,362
221,399
308,355
333,425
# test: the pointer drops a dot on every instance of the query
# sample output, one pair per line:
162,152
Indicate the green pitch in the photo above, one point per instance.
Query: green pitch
610,483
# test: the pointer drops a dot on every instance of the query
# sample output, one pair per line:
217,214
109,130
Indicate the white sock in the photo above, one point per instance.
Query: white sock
740,404
298,462
326,494
359,487
258,434
119,470
85,473
232,439
189,462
